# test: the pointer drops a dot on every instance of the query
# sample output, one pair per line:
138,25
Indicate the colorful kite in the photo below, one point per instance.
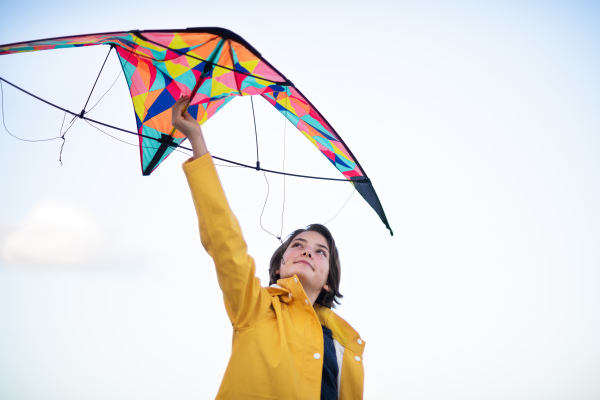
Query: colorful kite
212,66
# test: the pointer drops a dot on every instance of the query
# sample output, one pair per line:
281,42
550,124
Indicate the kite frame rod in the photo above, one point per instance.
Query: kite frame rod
364,180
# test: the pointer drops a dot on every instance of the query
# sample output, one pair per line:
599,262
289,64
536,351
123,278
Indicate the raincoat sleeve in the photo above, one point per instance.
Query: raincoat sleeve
221,236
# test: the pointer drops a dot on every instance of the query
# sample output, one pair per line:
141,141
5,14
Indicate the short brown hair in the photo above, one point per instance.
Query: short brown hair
326,298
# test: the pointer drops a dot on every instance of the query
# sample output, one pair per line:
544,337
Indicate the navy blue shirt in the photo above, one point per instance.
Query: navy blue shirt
329,389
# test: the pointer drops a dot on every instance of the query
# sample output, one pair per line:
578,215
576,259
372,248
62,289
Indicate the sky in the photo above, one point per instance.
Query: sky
477,123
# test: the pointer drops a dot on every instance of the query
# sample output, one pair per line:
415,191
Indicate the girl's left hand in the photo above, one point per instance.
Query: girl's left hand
185,123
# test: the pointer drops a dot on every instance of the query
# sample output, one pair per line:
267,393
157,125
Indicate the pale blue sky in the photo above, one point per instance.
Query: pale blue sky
476,121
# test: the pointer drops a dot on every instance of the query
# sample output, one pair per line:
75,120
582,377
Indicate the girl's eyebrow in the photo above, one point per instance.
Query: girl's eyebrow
320,245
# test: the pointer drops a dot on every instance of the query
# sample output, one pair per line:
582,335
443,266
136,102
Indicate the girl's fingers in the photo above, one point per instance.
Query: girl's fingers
179,104
178,108
188,117
182,120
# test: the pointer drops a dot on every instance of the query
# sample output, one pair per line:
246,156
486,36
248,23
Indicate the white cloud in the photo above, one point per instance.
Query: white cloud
55,233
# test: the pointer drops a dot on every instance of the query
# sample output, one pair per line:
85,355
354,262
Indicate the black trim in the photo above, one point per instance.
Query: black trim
165,141
215,30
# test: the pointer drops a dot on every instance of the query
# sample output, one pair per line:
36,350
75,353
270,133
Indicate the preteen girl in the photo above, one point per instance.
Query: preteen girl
287,342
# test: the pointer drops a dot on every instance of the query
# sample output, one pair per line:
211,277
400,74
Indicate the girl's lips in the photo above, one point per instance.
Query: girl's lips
305,262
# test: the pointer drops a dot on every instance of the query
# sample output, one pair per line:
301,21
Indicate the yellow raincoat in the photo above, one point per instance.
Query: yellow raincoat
277,348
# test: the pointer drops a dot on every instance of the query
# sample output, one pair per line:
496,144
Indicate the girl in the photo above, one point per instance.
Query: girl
287,342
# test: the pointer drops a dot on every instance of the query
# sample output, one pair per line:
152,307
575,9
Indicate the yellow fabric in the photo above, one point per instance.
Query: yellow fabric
277,348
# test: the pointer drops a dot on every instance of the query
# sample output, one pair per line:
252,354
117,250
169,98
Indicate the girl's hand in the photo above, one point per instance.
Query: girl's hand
184,122
187,125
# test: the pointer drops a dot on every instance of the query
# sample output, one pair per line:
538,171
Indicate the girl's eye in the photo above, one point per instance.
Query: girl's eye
296,244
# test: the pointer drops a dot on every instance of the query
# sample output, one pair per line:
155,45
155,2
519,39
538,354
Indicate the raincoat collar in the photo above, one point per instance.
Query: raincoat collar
290,289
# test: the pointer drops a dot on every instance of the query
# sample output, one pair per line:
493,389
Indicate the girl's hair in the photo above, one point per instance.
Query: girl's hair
326,298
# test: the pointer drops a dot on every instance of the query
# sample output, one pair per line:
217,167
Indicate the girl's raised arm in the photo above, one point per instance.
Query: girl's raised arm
220,232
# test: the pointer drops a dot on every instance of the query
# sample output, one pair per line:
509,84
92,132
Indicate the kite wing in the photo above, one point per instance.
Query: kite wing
212,66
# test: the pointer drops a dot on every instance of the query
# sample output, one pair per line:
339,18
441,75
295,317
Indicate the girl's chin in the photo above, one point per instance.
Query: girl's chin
301,273
302,270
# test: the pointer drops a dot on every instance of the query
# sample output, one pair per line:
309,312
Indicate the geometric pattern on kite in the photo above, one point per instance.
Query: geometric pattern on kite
212,66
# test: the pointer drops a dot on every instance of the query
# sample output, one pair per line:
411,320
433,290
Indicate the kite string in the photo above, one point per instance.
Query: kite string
6,128
62,135
283,161
263,210
105,93
265,175
174,145
115,81
255,135
135,144
344,205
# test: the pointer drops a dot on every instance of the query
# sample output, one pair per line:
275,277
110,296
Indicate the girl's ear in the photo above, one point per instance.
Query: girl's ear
326,287
276,272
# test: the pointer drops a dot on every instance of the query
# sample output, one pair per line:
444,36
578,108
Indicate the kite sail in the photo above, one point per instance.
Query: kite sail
212,66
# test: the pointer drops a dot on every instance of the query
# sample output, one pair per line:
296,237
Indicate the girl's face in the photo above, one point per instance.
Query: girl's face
307,256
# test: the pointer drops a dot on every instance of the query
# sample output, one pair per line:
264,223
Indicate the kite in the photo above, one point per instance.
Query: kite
211,66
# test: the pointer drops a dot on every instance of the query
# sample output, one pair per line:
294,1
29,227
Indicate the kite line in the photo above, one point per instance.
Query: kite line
90,122
172,144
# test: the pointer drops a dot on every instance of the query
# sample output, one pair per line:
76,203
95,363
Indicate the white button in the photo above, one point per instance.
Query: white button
295,280
317,356
359,341
357,358
306,301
